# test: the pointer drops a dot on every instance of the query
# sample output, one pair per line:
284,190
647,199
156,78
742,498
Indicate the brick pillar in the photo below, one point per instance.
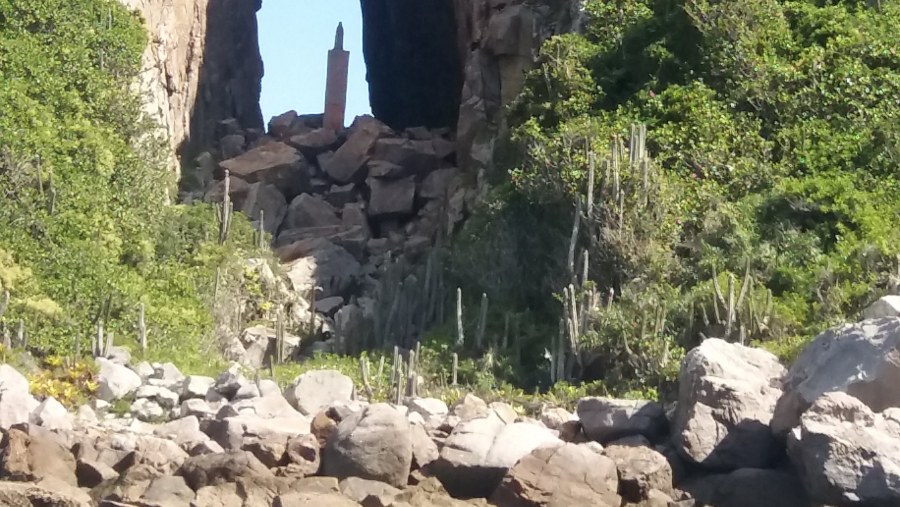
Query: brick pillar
336,83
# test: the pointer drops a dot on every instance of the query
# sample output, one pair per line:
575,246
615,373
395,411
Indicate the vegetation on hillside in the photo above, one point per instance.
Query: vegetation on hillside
773,133
85,235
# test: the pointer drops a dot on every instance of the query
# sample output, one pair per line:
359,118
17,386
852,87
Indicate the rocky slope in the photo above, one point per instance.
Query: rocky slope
200,441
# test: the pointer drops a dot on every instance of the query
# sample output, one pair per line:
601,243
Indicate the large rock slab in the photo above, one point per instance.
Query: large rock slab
214,469
315,142
266,199
318,389
641,470
307,210
479,451
749,487
886,306
27,457
727,395
607,419
28,495
321,263
115,381
272,163
416,157
391,197
371,444
862,360
557,475
346,163
846,454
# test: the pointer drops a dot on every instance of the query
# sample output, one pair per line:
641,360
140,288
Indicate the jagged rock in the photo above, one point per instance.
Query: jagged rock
273,404
196,407
269,450
52,415
383,169
437,184
144,369
29,495
260,343
131,484
206,447
228,383
391,197
315,390
274,164
424,450
162,396
93,473
184,432
159,453
27,457
564,474
641,470
321,262
281,126
479,452
345,165
196,386
358,489
372,444
555,418
307,210
416,157
607,419
115,381
145,409
214,469
302,453
727,395
748,487
169,491
432,410
328,306
269,200
886,306
86,415
315,142
861,359
232,146
847,454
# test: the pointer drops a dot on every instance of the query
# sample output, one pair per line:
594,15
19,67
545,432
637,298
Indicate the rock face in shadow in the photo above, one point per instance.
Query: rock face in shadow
412,61
202,65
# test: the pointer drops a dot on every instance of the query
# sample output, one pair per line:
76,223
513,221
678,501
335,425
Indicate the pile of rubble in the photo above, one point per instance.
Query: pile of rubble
745,432
340,207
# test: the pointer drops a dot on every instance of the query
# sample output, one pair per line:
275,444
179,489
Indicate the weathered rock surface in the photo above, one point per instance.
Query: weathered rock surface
274,164
641,469
371,444
727,396
606,419
846,454
557,475
749,487
116,381
862,360
315,390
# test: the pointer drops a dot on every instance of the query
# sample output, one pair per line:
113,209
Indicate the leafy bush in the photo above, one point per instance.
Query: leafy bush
773,125
84,191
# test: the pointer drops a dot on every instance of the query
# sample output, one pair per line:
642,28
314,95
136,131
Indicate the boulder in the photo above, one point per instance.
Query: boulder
28,495
886,306
214,469
437,184
168,491
281,125
345,165
391,197
432,410
52,415
164,397
372,444
358,489
641,469
847,454
557,475
307,210
93,473
315,390
274,164
115,381
320,262
727,395
27,457
263,340
232,146
748,487
16,404
862,360
268,200
556,418
184,432
479,451
416,157
196,386
607,419
147,410
313,143
302,454
424,450
269,449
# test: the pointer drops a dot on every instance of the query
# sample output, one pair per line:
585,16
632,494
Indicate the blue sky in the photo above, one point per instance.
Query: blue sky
294,39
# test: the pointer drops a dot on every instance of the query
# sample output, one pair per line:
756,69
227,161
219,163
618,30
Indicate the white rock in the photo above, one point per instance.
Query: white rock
315,390
16,404
162,396
51,414
196,386
115,381
145,409
887,306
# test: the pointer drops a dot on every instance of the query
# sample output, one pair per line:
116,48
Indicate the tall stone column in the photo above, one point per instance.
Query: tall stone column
336,83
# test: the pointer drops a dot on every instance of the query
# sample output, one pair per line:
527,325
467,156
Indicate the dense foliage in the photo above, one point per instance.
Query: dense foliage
83,214
774,132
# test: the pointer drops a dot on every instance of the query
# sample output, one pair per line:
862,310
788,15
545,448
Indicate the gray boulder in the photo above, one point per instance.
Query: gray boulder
727,395
641,470
846,454
862,360
371,444
115,381
391,197
316,390
52,415
607,419
274,164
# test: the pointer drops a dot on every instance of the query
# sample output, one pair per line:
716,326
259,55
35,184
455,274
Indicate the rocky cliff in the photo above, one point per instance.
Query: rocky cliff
202,65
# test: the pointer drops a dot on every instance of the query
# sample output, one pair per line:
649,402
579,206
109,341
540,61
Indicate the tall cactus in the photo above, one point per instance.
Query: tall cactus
225,210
